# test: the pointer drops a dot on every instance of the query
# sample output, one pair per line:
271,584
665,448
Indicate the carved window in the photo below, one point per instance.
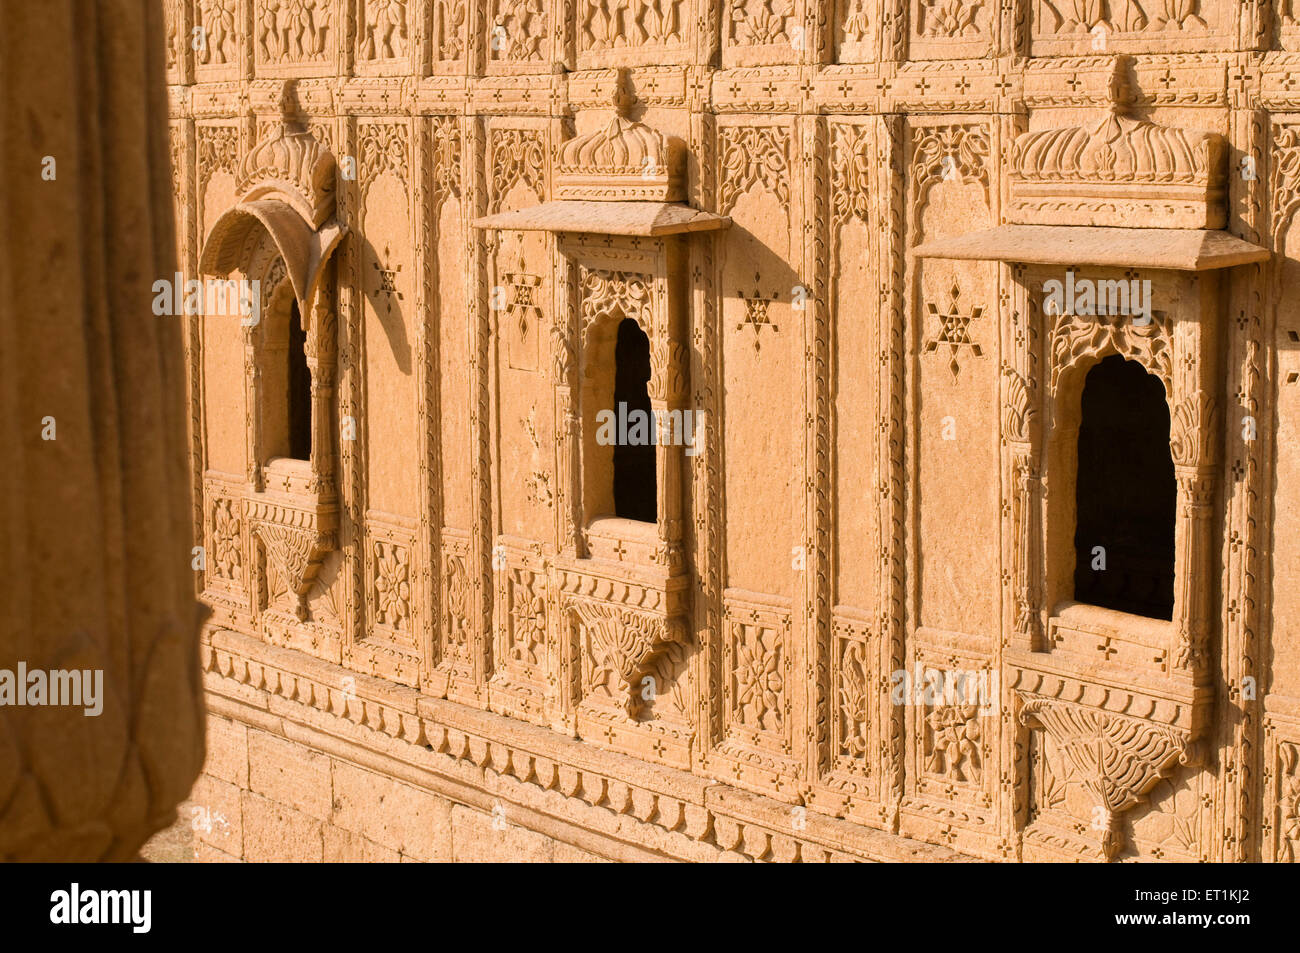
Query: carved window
630,430
1125,493
634,453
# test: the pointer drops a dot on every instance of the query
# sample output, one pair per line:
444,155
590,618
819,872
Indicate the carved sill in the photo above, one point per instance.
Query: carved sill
635,544
296,478
296,523
1099,638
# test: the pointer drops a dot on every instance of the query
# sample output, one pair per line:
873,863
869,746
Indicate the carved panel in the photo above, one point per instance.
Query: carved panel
174,36
753,157
383,31
390,647
761,31
761,701
618,32
952,700
855,684
295,37
1081,27
455,598
857,22
384,147
227,546
1288,23
227,542
518,34
216,40
951,29
1282,781
448,30
523,650
517,157
218,151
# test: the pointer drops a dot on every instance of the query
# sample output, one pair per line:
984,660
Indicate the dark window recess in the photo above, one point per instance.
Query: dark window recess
299,389
1126,495
634,465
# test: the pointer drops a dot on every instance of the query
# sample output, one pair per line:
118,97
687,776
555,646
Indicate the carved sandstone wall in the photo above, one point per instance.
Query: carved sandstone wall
426,625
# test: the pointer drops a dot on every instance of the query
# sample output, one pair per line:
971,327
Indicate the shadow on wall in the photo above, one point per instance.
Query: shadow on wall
379,285
97,594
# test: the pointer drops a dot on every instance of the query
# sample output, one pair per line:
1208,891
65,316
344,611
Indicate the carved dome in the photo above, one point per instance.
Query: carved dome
291,163
1119,171
1116,149
624,160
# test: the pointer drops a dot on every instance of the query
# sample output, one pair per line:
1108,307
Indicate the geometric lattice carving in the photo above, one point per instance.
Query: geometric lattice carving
954,330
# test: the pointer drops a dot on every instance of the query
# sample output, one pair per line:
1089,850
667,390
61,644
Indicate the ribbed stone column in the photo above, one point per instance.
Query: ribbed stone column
95,531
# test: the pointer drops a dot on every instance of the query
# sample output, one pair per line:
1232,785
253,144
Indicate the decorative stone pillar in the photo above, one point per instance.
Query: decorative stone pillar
95,557
322,335
1020,427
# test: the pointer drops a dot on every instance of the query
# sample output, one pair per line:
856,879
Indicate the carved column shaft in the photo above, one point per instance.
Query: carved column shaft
667,396
252,403
321,362
1025,518
1192,604
322,435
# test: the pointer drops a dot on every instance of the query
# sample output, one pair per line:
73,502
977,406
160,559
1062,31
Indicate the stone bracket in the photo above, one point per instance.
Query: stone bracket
297,537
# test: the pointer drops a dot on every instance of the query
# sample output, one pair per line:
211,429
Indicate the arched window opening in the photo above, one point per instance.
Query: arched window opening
299,376
634,462
1125,494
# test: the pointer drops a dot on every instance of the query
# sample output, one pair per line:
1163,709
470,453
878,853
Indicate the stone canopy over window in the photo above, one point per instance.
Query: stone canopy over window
623,179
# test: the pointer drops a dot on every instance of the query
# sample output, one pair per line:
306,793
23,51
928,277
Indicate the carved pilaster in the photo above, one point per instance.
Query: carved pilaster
891,209
1192,597
1025,509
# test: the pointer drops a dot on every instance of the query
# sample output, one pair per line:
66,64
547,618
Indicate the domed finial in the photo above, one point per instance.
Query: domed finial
623,99
290,108
1123,88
